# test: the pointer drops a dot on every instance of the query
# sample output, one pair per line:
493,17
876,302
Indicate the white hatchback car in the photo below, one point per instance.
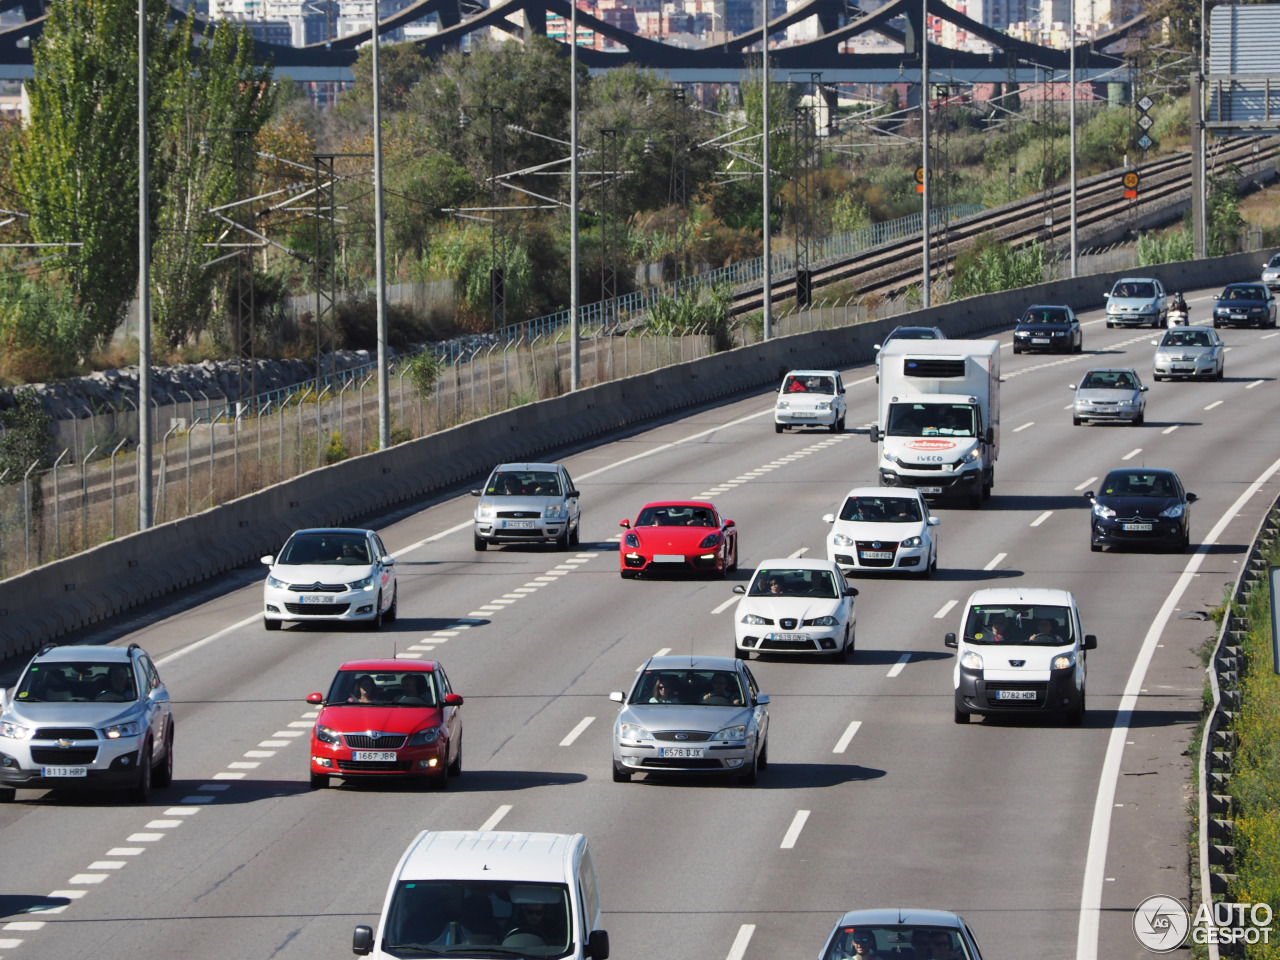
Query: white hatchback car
795,605
883,528
331,573
810,398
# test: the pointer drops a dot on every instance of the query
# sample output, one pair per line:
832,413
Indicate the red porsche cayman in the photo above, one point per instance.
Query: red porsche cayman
678,535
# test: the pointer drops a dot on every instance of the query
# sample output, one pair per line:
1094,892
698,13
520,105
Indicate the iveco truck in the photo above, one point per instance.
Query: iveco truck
939,417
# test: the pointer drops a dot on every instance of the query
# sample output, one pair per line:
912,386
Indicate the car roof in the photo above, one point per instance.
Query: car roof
910,327
1193,326
687,662
798,563
678,503
813,373
1050,306
402,664
899,916
908,492
1243,283
490,855
71,653
1136,280
527,466
1037,595
1164,471
328,530
1111,369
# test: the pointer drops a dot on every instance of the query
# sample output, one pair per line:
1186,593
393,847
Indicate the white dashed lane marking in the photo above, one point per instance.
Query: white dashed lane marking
1216,403
1168,430
946,608
902,662
799,553
1085,485
1256,383
741,941
995,561
496,818
843,743
1042,518
1132,453
793,832
576,731
728,603
1016,429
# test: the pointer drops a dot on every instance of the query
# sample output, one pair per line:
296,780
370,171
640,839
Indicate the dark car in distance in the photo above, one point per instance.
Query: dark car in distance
1053,329
1245,305
1140,506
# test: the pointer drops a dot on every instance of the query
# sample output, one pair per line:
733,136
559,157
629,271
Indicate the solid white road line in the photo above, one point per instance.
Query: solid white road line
1132,453
576,731
1168,430
793,831
843,743
995,561
739,948
1042,518
494,820
1085,485
1100,832
799,553
946,608
902,662
726,605
1024,426
1216,403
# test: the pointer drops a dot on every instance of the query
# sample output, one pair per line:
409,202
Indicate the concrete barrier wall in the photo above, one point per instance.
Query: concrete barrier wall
45,603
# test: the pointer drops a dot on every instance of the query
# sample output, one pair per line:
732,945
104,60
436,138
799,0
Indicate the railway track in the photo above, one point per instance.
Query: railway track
895,266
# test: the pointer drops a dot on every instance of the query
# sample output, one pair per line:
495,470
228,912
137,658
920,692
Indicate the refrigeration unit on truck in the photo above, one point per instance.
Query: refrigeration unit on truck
938,421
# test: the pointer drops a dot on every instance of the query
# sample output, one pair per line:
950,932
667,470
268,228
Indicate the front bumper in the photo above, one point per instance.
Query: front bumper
543,530
1184,368
1058,692
849,558
348,605
936,485
718,756
337,761
1111,533
1133,319
704,562
1113,412
1047,344
114,763
799,641
1238,319
798,418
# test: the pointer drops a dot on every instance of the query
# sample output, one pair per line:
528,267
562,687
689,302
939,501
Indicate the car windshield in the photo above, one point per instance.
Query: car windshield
707,688
341,549
912,333
1186,338
1134,291
397,688
1275,261
79,682
808,383
486,918
922,943
1028,624
930,420
881,510
1139,483
1243,293
782,582
1045,315
524,483
1109,380
678,515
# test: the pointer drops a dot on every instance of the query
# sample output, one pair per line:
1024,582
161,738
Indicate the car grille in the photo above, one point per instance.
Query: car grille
923,466
318,587
876,547
993,690
57,755
506,534
319,609
374,766
682,763
359,741
519,514
768,643
65,733
686,736
788,623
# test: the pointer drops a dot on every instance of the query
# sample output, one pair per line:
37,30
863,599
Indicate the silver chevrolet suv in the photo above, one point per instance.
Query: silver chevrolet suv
527,503
86,717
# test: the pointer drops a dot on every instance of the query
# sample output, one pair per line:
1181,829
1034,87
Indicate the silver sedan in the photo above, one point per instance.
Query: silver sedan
1189,352
1112,393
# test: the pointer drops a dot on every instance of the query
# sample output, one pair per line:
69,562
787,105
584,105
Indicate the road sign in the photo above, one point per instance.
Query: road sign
1130,181
1145,142
1145,122
919,179
1145,104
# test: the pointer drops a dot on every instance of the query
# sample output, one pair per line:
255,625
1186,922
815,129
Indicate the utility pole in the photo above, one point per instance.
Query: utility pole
575,347
767,274
1071,15
924,136
146,515
380,251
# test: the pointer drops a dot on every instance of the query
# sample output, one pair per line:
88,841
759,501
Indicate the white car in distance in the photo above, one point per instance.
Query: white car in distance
883,528
810,398
795,606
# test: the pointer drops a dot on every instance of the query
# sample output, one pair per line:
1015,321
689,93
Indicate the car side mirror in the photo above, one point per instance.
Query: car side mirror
616,696
1155,343
316,699
1088,495
625,523
362,941
598,945
1090,642
933,521
573,494
1106,296
762,698
828,518
453,700
990,435
1143,389
850,591
1192,498
876,347
739,588
729,523
874,435
949,640
1071,386
388,561
268,560
4,698
476,493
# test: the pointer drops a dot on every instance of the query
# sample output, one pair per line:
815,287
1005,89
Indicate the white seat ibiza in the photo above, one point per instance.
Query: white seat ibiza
883,528
795,606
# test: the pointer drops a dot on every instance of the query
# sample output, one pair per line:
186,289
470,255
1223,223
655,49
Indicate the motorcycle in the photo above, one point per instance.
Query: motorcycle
1177,316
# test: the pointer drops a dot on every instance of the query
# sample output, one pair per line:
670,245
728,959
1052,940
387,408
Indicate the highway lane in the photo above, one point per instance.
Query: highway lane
987,819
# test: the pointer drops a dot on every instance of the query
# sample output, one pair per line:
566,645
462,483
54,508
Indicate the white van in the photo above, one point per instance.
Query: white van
522,895
1020,651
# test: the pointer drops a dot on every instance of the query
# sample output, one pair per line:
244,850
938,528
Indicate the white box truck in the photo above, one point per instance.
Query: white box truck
939,417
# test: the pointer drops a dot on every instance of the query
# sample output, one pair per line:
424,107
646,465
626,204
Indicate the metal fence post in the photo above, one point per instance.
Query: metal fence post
84,496
26,510
114,452
57,531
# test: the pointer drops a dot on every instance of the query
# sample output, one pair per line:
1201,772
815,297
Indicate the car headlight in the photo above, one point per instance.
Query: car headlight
1057,333
912,542
1127,403
755,620
1064,661
821,622
364,584
1255,310
1101,510
1172,512
274,583
425,737
732,733
840,540
15,731
554,510
971,660
326,735
633,731
971,456
119,730
485,512
892,458
824,405
632,541
784,404
709,541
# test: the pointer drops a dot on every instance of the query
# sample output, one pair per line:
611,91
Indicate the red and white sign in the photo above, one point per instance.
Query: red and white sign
929,445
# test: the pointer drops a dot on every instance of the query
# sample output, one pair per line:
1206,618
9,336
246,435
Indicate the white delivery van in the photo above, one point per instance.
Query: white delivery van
472,894
939,417
1020,650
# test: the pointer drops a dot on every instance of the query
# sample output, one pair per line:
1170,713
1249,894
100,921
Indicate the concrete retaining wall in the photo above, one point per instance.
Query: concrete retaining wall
45,603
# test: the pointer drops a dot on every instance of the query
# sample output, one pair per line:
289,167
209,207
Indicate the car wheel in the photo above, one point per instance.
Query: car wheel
1080,346
1156,377
440,781
393,611
763,762
141,792
960,716
975,500
777,428
834,427
1139,419
270,624
734,568
455,768
8,794
1221,371
577,534
620,775
1016,348
319,781
481,544
1076,717
1095,547
1110,325
628,574
375,622
162,776
748,777
741,654
987,485
562,541
1075,421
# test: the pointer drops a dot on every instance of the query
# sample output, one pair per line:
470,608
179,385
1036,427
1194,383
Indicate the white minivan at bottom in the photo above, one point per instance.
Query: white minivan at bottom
1020,651
472,894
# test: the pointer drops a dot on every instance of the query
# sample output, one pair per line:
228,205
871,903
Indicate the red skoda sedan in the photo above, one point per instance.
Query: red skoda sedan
678,535
387,718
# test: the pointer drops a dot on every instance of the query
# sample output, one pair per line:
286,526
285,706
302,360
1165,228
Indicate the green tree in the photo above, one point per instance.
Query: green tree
26,437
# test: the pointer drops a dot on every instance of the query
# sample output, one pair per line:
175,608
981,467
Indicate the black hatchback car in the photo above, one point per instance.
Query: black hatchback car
1245,305
1053,329
1140,506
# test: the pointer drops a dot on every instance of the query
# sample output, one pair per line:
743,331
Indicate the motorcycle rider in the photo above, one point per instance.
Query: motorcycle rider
1179,306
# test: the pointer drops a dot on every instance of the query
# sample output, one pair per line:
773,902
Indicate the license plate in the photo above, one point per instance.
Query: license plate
1015,694
803,413
668,558
376,756
64,772
1039,339
876,555
789,636
687,752
517,524
1239,316
928,490
316,598
1183,368
1136,527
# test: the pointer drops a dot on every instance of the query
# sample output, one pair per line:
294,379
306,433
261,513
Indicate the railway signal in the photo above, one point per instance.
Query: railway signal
1130,181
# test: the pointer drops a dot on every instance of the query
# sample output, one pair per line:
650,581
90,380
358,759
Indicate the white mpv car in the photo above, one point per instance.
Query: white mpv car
883,528
795,605
810,398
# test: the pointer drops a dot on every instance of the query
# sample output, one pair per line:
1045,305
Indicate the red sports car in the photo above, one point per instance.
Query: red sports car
387,718
678,534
